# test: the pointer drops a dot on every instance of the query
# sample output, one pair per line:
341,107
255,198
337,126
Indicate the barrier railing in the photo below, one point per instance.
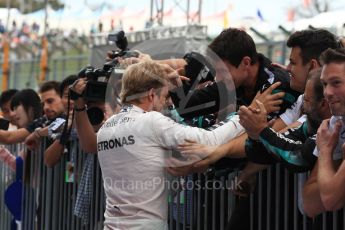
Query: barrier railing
50,196
7,177
50,193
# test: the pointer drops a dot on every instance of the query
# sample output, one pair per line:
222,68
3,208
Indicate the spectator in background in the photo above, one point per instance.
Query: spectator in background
26,113
35,27
26,106
52,108
100,27
112,25
5,105
325,188
2,28
14,26
54,152
25,30
93,29
51,99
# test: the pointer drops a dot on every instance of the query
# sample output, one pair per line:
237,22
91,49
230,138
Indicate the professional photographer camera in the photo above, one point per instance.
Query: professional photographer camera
97,79
91,89
93,82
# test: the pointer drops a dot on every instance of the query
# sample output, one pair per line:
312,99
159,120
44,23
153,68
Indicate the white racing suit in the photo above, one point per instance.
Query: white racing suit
133,147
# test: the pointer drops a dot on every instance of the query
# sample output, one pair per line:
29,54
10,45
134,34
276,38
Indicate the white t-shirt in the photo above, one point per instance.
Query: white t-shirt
338,151
294,113
132,150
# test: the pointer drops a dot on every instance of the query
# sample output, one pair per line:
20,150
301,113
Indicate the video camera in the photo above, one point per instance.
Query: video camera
97,79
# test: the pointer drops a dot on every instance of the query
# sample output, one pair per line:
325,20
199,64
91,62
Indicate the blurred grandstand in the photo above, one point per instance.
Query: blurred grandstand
77,31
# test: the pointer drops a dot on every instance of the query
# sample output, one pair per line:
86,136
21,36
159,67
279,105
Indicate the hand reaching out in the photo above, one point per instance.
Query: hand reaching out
201,156
253,120
271,101
208,154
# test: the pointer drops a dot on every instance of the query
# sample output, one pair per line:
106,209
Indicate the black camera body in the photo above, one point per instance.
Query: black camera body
96,85
97,79
121,42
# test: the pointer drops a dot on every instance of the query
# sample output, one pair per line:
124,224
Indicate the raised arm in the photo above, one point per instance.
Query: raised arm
330,178
86,134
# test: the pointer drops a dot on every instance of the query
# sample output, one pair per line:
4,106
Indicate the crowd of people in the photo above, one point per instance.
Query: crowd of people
164,125
26,40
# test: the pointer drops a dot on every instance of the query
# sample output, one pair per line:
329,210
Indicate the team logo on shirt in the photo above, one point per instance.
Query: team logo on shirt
115,143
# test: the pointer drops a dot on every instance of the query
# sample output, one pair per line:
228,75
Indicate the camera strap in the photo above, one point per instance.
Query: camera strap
67,131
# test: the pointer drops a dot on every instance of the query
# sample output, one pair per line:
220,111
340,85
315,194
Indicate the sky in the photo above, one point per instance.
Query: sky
274,12
240,13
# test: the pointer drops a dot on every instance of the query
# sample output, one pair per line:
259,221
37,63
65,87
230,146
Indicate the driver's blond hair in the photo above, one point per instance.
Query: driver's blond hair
139,78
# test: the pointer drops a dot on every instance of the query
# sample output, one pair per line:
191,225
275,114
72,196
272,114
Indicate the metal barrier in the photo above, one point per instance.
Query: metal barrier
50,195
7,176
49,200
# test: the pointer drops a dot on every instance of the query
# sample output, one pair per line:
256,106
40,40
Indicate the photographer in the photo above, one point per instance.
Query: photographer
89,117
86,133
